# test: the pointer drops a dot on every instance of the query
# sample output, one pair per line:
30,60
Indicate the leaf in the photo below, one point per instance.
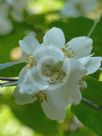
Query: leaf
90,116
73,27
10,42
97,37
33,116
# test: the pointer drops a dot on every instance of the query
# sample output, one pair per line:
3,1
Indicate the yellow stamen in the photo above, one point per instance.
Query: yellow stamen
41,96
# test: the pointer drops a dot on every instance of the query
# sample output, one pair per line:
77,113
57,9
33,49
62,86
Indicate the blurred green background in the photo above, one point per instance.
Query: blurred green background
29,120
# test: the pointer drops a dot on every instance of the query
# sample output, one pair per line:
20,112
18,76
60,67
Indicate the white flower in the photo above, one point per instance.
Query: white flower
17,8
32,53
54,99
82,47
5,26
54,80
4,10
75,8
79,48
5,23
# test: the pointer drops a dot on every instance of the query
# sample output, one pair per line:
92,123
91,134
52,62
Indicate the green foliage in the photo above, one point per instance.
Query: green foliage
97,37
32,116
90,116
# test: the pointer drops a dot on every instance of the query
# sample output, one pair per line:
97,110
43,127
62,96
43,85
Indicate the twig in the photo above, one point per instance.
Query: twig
91,103
7,84
94,26
13,82
8,79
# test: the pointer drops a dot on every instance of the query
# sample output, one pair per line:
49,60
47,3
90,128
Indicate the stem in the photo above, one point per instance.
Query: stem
8,79
7,84
94,26
91,103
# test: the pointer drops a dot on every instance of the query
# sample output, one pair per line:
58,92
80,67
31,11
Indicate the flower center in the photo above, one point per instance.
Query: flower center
41,96
31,61
54,73
68,52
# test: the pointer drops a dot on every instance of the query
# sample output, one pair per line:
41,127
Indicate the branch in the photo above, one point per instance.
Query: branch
92,104
8,79
7,84
94,26
13,81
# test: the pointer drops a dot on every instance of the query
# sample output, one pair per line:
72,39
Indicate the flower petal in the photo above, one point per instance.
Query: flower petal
23,73
77,70
22,98
53,112
93,65
84,60
29,44
74,96
32,82
72,88
82,46
46,52
54,37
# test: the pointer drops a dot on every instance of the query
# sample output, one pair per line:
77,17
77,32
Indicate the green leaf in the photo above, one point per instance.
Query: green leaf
81,132
90,116
10,42
97,37
33,116
73,27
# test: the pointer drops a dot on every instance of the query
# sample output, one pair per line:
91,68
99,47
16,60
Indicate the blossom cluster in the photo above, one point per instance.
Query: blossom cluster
76,8
54,72
13,8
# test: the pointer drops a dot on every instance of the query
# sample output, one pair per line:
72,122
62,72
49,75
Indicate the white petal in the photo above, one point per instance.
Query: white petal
54,37
28,44
23,73
82,46
69,93
84,60
53,112
46,52
93,64
22,98
32,82
77,71
74,94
